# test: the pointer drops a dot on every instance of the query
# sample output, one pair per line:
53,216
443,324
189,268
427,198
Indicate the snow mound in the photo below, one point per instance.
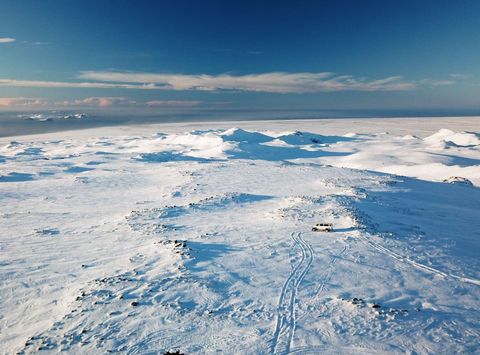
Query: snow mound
75,116
39,118
240,135
205,145
229,144
47,117
409,137
11,145
463,139
301,138
306,138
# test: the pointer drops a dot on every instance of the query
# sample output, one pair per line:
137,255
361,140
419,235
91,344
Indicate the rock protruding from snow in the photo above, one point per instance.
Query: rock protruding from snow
458,180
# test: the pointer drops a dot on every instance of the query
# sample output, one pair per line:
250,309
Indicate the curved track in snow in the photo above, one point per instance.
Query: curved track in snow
416,264
287,301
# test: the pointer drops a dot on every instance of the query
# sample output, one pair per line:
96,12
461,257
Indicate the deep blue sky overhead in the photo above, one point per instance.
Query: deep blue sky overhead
153,55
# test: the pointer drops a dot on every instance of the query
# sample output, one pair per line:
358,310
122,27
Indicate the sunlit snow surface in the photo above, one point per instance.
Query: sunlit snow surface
201,242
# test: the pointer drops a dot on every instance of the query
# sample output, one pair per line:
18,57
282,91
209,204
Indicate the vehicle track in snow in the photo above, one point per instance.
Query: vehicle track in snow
318,349
328,274
407,260
286,308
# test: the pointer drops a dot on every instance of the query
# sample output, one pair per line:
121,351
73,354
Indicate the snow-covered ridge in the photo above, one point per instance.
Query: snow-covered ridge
47,117
463,139
202,242
437,157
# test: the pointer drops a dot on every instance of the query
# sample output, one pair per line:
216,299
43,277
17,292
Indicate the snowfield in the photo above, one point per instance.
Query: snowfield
200,240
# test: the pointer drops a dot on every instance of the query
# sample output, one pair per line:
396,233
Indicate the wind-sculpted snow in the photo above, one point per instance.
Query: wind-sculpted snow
42,117
464,139
159,220
202,242
235,144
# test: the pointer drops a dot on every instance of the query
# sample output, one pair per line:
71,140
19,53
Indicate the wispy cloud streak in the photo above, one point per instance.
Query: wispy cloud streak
460,76
94,101
22,102
173,103
7,40
101,101
432,82
65,84
276,82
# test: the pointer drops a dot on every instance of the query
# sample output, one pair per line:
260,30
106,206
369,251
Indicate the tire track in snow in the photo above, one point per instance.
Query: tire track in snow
328,275
324,281
317,349
287,301
423,267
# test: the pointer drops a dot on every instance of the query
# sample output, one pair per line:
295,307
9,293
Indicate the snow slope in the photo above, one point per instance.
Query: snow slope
201,242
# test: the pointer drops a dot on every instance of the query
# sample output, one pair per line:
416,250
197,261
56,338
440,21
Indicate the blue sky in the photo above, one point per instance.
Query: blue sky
154,55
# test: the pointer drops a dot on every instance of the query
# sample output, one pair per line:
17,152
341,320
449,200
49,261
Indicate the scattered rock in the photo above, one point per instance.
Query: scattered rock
358,301
388,314
180,247
134,304
47,231
180,243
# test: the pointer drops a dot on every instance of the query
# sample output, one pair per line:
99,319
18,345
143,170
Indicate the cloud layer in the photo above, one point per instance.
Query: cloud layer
275,82
21,102
173,103
96,101
65,84
7,40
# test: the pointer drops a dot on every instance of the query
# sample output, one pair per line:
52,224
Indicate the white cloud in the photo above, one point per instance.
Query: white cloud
7,40
460,76
437,82
275,82
172,103
100,101
64,84
22,102
106,101
95,101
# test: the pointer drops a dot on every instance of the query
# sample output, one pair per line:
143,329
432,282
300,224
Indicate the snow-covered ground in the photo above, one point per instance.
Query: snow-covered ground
199,239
